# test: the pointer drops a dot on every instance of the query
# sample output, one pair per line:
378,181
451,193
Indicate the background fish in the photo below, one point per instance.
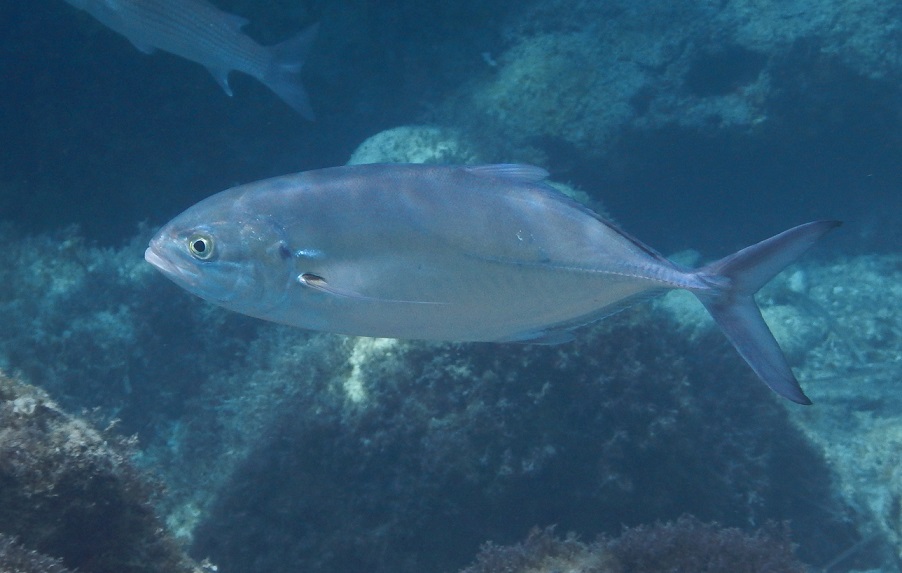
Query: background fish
198,31
484,253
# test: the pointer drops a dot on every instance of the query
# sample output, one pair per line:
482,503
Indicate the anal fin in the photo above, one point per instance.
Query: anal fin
222,78
142,46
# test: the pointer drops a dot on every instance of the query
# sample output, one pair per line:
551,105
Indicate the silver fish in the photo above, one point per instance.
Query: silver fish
198,31
459,253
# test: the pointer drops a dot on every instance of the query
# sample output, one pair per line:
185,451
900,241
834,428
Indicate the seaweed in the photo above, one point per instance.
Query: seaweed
71,492
685,545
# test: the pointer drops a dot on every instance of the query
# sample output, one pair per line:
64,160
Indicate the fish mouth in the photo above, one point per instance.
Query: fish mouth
168,268
156,260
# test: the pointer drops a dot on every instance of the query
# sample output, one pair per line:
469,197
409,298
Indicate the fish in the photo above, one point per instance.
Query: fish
487,253
198,31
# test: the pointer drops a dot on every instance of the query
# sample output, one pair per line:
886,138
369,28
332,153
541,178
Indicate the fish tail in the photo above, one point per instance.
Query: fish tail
735,279
284,73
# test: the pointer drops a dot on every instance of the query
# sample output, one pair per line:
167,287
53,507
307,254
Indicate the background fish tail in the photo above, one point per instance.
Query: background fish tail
284,73
735,279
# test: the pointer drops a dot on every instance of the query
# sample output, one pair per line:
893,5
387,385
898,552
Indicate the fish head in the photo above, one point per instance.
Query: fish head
222,255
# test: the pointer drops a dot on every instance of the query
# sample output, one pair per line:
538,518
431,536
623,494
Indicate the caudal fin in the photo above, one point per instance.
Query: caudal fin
284,73
735,279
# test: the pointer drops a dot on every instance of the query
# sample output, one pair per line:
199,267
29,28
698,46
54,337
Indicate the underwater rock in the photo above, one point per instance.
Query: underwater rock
17,559
69,492
855,373
577,75
841,326
408,456
416,144
685,545
544,552
98,328
563,87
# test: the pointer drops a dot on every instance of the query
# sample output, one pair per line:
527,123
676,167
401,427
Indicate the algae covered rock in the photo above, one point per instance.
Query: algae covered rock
855,373
582,78
571,87
14,558
98,327
684,545
687,544
544,552
71,493
416,144
413,454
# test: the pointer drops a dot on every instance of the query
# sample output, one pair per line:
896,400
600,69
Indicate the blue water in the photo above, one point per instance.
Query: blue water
695,127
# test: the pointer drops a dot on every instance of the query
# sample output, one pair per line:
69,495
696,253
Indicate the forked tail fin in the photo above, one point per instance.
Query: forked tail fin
735,279
284,73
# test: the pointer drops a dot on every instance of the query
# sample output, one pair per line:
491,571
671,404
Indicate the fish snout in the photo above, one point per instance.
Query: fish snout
224,282
181,274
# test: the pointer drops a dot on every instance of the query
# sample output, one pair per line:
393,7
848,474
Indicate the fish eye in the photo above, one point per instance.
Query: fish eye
201,246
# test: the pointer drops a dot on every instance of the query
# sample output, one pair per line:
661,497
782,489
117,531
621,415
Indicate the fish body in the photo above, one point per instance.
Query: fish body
198,31
455,253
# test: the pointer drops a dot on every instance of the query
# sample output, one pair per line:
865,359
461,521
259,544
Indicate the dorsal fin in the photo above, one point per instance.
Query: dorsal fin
513,171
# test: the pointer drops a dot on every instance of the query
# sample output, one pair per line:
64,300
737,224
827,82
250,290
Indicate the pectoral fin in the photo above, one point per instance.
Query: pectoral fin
317,282
320,284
